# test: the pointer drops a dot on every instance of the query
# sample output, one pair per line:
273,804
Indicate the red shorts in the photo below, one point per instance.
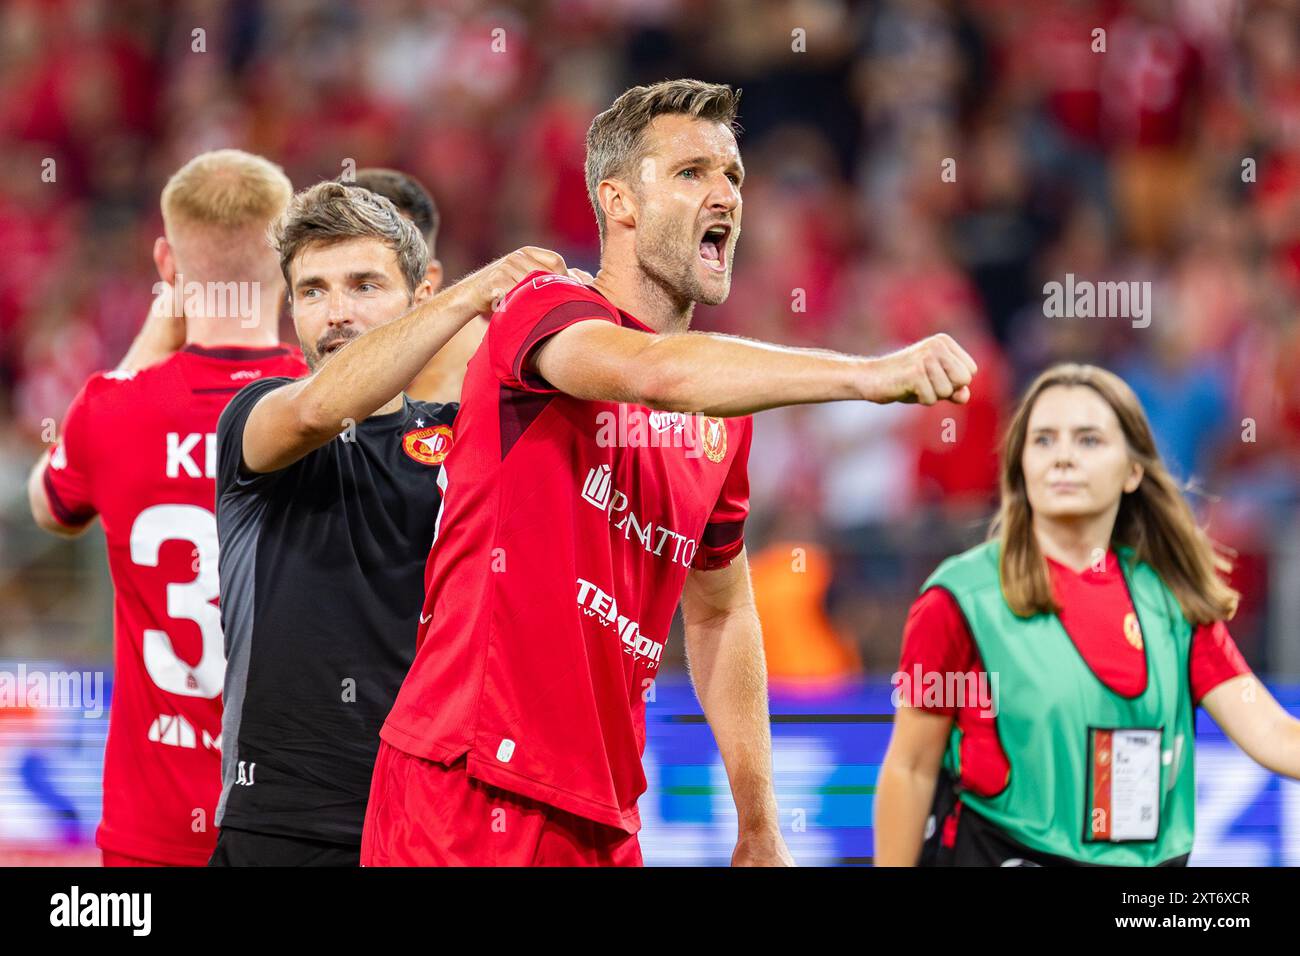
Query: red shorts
423,813
117,859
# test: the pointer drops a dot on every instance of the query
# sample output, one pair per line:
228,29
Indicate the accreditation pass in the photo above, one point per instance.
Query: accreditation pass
1124,799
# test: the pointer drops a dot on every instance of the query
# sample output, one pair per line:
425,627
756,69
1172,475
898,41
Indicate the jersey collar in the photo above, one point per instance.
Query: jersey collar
236,352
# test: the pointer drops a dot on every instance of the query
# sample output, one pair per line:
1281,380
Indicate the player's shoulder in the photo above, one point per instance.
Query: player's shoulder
541,291
109,380
123,388
253,391
122,404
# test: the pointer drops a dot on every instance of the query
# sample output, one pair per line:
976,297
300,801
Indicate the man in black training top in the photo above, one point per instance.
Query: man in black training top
327,500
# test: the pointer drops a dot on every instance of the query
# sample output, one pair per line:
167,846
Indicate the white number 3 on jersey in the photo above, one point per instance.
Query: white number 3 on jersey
191,600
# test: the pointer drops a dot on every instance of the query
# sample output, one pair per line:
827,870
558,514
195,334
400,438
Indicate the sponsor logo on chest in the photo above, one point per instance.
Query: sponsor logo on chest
601,605
663,542
633,426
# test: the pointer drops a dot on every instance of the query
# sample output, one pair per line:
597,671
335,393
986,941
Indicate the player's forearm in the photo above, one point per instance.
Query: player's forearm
159,338
728,377
376,367
902,803
36,499
729,672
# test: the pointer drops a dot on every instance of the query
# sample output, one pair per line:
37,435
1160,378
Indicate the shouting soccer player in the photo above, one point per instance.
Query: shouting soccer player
327,499
576,519
138,449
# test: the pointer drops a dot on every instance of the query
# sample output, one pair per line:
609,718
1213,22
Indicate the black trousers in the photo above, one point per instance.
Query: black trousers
978,841
245,848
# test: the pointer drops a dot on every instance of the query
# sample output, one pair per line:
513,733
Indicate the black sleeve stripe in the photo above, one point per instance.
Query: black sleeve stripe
723,534
554,320
65,515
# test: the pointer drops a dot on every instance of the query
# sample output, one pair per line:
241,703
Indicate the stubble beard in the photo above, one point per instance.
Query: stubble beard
309,355
668,260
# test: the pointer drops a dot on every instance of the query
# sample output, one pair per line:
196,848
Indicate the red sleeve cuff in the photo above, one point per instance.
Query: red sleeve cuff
719,545
68,517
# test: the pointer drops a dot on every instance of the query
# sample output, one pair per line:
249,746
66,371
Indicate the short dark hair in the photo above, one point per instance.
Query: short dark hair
331,212
406,193
615,140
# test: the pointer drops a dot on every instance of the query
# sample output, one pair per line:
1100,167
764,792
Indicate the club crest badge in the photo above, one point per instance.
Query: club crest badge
713,438
428,446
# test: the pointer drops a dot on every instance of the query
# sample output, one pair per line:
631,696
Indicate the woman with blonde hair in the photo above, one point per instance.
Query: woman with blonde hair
1050,675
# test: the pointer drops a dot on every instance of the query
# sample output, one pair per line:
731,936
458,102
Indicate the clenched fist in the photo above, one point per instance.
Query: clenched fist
931,370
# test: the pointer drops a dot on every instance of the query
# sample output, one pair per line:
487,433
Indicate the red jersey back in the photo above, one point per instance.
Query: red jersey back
139,450
567,531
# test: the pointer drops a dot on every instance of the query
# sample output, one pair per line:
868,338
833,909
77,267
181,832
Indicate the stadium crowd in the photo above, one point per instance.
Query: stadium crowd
913,166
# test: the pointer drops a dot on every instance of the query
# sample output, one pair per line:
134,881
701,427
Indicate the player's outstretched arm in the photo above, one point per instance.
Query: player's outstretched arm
292,421
724,647
727,376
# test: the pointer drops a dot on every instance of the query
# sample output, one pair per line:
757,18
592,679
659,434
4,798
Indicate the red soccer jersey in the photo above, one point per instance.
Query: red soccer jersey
567,531
139,450
1097,614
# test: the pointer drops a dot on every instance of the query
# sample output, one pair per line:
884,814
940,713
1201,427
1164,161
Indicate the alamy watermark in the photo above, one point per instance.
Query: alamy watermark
633,427
241,300
1085,299
38,688
133,911
925,690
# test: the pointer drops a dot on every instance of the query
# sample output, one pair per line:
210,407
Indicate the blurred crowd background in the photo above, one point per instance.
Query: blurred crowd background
1172,157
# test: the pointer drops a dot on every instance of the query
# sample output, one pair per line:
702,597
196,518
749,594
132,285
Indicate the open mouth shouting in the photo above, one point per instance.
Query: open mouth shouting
713,246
